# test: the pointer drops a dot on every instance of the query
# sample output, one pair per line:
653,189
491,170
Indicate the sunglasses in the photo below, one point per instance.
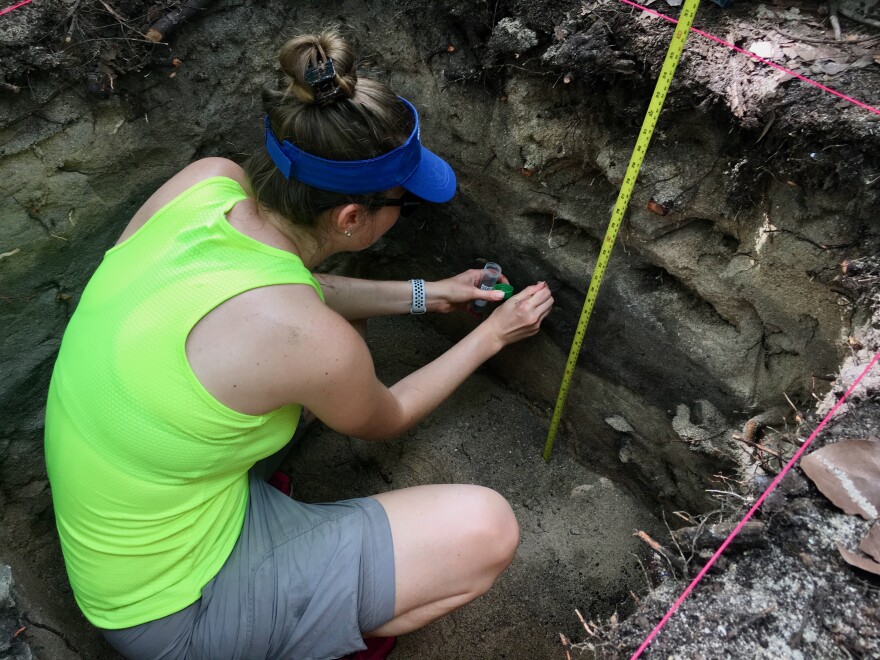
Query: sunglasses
407,203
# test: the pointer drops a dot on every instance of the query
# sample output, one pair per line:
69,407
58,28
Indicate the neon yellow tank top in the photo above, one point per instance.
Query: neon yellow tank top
149,471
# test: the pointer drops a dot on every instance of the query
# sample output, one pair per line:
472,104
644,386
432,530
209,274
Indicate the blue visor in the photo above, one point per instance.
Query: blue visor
410,165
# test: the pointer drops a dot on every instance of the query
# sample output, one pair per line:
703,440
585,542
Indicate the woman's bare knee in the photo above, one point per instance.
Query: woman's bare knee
479,535
494,528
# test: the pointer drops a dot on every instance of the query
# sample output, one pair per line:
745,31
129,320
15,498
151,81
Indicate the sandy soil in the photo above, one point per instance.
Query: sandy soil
577,547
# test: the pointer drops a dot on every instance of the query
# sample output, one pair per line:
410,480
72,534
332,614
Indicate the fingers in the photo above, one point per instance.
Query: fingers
536,293
542,304
492,295
544,308
533,304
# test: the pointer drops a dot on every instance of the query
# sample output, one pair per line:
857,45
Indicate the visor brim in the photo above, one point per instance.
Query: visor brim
433,180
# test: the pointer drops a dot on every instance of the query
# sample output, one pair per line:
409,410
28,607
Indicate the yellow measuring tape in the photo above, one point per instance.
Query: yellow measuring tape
673,55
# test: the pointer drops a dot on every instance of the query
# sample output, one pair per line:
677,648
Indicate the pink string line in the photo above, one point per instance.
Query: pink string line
754,508
867,107
15,6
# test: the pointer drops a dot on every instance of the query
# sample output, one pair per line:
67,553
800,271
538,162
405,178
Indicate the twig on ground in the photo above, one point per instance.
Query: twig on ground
726,479
115,14
760,615
565,646
167,24
730,493
756,445
796,639
644,570
656,547
674,540
864,20
813,40
684,515
590,631
751,535
835,22
798,417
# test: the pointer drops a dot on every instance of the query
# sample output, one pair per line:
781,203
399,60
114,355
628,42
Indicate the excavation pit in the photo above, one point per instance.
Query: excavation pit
731,300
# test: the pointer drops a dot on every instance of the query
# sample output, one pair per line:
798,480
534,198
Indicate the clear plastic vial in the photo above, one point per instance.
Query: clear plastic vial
491,273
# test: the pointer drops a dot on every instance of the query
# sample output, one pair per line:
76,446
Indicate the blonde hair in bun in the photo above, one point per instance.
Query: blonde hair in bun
300,53
362,120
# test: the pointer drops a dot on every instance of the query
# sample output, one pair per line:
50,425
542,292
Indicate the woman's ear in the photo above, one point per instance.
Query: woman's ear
346,219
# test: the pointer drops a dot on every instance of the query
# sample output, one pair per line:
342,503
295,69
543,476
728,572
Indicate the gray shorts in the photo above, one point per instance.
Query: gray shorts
303,582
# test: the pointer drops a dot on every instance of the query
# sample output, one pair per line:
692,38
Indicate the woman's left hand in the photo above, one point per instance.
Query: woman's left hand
456,292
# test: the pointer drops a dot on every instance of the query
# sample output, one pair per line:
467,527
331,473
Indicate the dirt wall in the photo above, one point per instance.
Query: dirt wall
711,310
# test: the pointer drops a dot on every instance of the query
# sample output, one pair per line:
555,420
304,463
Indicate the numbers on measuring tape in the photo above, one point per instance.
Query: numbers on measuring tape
664,80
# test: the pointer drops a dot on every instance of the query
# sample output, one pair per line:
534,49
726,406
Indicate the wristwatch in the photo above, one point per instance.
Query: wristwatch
418,297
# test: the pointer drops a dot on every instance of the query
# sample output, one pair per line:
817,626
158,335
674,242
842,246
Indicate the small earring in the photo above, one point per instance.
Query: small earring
348,232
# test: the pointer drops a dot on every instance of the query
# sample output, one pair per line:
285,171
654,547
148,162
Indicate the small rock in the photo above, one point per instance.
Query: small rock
511,36
618,423
793,484
580,491
557,240
5,587
774,502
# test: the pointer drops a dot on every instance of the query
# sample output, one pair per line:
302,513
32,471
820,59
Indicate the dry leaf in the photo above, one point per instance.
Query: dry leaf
870,545
862,62
806,53
833,68
827,52
848,474
765,49
858,561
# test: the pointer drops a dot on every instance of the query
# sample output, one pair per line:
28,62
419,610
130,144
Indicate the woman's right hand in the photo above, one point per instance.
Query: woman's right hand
521,315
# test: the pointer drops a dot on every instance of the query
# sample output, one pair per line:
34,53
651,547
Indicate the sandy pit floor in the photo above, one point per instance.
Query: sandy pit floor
577,548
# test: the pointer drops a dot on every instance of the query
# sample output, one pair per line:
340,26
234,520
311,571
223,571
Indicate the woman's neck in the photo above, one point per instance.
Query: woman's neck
300,241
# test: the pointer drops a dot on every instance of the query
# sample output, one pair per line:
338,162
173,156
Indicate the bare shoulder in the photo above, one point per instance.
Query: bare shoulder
278,345
289,343
313,334
309,323
271,346
325,365
189,176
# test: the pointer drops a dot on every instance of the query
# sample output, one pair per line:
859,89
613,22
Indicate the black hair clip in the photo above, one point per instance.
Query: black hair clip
321,78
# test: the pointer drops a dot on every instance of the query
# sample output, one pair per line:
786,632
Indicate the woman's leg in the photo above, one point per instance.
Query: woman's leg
450,544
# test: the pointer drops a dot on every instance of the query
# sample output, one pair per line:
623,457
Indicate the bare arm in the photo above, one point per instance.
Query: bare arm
335,378
356,299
